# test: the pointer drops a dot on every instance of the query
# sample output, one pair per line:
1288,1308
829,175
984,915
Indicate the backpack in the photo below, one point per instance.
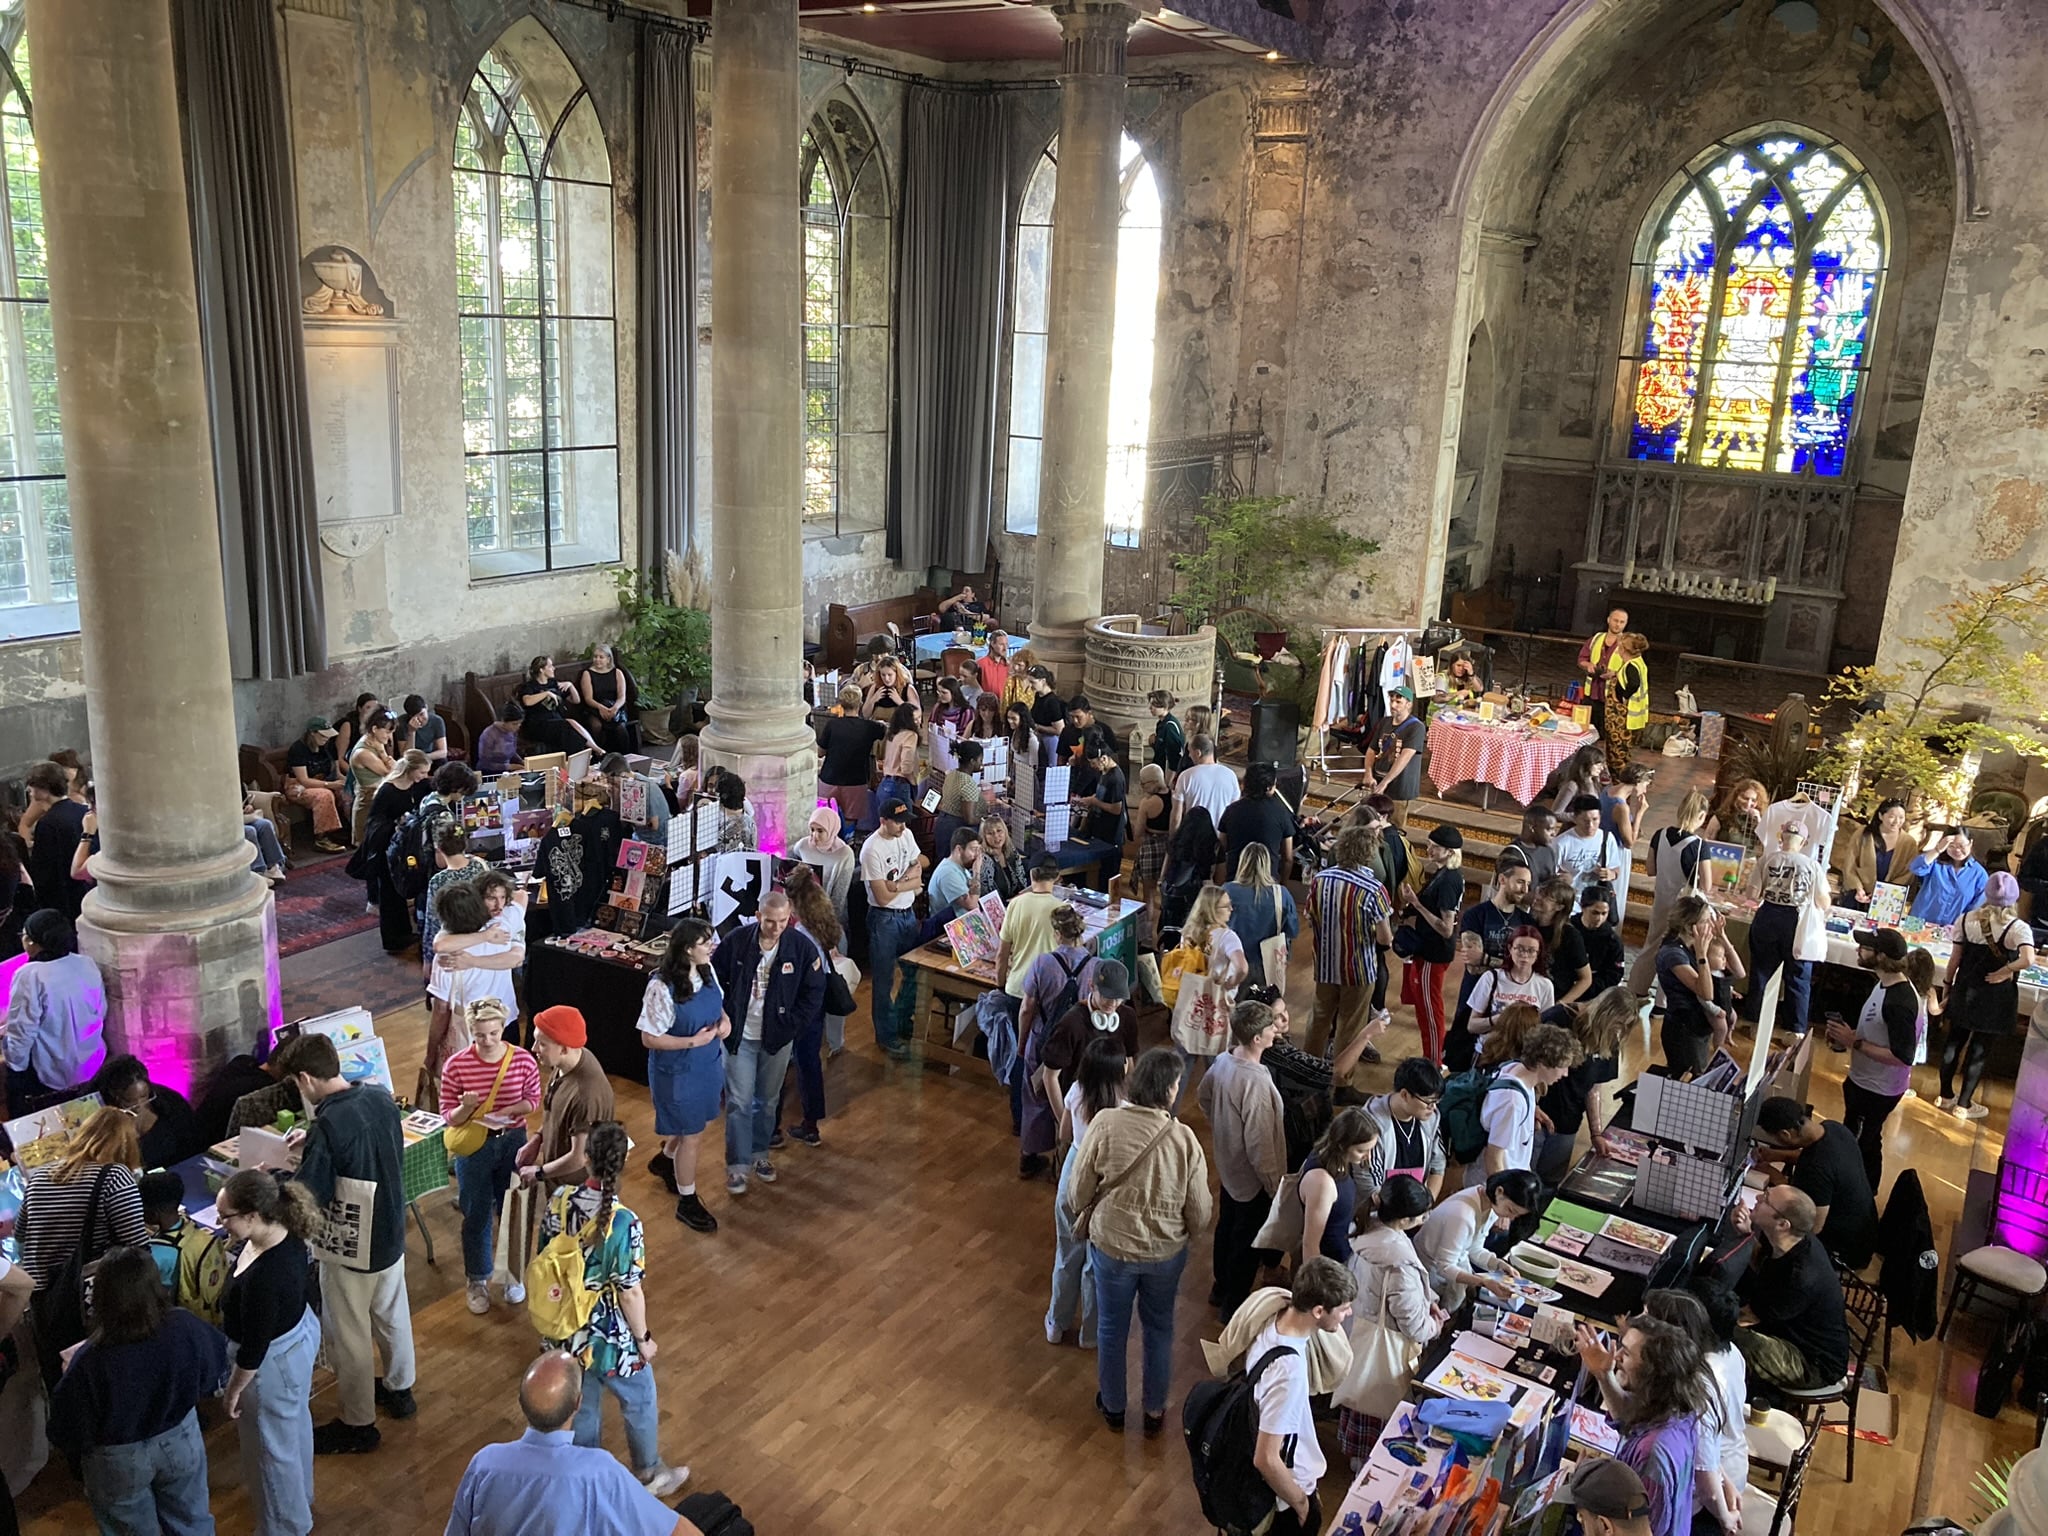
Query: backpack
1221,1422
1175,964
1070,994
558,1299
409,857
1464,1097
203,1270
715,1515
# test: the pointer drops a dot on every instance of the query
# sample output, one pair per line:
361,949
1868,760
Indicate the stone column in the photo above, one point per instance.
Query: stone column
1067,582
185,934
757,724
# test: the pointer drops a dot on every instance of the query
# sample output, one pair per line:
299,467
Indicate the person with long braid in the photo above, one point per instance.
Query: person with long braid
616,1346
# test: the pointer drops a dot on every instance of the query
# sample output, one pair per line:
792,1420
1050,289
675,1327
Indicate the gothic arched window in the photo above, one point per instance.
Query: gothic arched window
533,258
1760,274
823,264
1130,383
38,583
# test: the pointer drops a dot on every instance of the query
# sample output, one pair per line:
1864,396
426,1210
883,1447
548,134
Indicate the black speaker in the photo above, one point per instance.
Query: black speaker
1276,728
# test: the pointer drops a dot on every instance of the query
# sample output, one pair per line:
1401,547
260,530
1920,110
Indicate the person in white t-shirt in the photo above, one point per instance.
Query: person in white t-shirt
1587,854
1204,782
894,871
1289,1456
1509,1109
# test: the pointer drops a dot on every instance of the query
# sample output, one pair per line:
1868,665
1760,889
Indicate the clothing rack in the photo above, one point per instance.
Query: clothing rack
1319,756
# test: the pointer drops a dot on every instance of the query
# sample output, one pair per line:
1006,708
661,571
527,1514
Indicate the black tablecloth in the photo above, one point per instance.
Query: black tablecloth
607,992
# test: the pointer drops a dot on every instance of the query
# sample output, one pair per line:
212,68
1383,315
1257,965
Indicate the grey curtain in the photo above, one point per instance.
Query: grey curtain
668,295
950,283
245,239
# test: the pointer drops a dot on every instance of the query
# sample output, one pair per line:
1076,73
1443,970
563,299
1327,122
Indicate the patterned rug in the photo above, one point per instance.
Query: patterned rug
319,903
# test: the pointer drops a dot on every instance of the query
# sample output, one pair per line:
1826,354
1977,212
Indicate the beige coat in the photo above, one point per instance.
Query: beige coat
1855,859
1153,1213
1328,1353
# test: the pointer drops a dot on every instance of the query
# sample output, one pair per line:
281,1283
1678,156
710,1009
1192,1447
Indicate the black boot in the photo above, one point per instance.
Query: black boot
691,1213
663,1168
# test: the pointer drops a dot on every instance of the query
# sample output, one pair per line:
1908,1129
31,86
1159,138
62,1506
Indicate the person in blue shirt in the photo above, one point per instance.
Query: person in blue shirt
954,882
1951,882
544,1484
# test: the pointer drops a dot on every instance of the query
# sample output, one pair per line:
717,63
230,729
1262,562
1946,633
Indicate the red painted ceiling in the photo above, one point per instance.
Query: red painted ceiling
971,31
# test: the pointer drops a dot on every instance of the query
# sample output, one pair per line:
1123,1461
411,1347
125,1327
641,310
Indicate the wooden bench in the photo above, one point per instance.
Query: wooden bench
847,629
484,694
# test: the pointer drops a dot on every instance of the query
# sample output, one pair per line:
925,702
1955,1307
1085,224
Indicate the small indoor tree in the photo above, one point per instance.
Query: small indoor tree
1259,551
1976,681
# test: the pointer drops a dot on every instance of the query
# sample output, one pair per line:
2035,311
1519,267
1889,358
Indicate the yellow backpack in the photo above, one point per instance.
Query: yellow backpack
1175,964
558,1300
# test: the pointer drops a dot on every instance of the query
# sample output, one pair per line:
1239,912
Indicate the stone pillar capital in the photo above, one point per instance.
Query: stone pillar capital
1094,34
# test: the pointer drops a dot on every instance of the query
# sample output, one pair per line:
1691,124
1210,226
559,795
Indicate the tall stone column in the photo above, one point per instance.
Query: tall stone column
1067,585
184,933
757,555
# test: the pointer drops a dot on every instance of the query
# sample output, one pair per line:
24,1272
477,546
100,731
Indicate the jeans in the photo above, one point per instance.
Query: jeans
1865,1113
642,1413
1968,1049
1553,1155
158,1484
1770,946
481,1180
263,835
890,788
753,1083
276,1432
892,933
1151,1287
1073,1282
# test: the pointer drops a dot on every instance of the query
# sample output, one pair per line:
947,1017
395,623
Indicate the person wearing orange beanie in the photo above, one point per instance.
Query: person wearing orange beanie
578,1095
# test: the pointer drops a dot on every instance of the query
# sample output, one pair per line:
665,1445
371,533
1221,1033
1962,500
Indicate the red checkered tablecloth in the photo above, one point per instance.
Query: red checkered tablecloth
1506,756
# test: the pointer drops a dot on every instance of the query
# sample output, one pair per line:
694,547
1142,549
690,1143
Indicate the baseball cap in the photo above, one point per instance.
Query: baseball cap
1448,837
894,809
318,726
1607,1488
1111,980
1888,942
1045,867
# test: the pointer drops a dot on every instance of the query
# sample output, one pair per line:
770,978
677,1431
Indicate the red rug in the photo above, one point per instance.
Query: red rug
319,903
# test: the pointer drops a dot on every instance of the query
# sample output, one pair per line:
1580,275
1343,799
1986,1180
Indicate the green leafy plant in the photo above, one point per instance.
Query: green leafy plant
1778,766
1976,681
1258,551
1992,1490
666,647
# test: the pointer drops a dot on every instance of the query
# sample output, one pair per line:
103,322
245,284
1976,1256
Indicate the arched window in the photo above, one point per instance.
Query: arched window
1130,380
823,264
1761,276
533,254
38,584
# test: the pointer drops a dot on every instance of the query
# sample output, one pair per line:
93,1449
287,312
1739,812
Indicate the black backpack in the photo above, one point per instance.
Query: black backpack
1043,1025
715,1515
409,859
65,1303
1221,1422
2002,1367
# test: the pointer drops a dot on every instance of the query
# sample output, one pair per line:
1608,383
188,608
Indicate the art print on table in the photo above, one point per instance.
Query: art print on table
1586,1279
1636,1235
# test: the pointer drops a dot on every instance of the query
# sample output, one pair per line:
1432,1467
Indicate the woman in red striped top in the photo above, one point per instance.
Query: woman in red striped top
471,1088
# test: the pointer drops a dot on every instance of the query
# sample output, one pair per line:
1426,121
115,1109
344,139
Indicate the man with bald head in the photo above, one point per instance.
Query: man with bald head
1799,1337
544,1484
773,978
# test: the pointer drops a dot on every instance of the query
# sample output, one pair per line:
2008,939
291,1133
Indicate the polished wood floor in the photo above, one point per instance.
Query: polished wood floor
859,1349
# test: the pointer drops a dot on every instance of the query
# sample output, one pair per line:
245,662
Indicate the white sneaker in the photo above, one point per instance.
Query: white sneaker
515,1293
1973,1112
1945,1103
735,1181
666,1480
479,1297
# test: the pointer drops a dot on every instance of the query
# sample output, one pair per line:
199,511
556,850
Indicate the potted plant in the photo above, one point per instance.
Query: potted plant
1256,551
666,647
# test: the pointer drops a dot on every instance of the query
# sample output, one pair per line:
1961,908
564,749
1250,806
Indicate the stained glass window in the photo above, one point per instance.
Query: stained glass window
822,265
38,584
1130,380
533,262
1761,280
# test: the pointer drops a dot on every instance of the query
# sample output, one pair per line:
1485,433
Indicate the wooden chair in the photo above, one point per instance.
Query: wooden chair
1868,1320
2007,1272
1771,1514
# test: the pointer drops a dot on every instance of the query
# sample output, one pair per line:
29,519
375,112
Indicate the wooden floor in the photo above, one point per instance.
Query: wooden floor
859,1349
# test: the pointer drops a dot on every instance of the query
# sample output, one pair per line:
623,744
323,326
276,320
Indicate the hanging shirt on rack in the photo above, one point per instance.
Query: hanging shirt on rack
1397,669
1803,813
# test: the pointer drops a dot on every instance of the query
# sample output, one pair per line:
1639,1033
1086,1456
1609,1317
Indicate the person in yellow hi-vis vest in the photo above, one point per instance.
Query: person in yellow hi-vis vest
1628,702
1598,658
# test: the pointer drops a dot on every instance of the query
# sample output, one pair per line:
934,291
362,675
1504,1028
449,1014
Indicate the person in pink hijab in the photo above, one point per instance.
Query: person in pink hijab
823,848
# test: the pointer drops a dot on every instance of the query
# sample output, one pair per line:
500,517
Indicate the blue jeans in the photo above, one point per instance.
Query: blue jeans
1152,1287
1073,1283
276,1430
157,1484
263,836
481,1180
892,934
890,788
753,1085
1770,946
637,1402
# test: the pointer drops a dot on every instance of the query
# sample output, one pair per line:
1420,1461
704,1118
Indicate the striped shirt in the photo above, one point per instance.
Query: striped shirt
1344,907
52,1221
467,1072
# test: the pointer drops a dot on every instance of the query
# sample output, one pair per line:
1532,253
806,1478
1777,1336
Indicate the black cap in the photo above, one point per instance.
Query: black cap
1447,837
894,809
1888,942
1045,867
1607,1488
